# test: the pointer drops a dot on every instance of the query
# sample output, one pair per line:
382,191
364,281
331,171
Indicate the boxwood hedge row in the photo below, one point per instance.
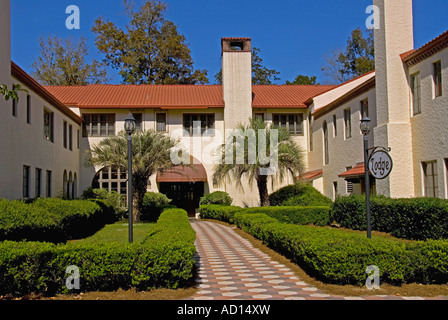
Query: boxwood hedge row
53,220
414,219
341,257
164,259
319,216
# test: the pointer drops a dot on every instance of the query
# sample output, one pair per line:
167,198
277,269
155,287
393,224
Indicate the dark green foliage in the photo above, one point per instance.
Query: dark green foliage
217,197
52,220
319,216
164,259
153,204
298,195
341,257
218,212
414,219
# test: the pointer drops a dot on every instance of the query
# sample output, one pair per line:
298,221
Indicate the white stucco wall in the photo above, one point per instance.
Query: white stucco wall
429,128
23,143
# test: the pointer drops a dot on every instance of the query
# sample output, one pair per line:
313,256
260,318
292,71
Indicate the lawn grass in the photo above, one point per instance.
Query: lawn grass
118,232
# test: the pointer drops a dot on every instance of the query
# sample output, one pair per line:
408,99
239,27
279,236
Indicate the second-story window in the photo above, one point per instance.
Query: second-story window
98,125
416,93
199,124
48,125
161,122
437,69
291,122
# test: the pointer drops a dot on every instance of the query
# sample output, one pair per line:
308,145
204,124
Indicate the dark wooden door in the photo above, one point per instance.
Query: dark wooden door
185,195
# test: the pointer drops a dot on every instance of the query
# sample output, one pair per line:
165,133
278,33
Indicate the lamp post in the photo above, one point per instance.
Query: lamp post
365,129
129,127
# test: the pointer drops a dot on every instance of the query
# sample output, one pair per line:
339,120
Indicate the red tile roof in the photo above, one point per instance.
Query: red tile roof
179,96
311,175
356,172
414,56
191,173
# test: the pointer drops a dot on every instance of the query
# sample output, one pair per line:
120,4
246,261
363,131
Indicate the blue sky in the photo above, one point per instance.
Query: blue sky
293,35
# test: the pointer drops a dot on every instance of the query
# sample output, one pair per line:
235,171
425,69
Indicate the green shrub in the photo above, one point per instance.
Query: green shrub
414,219
217,197
319,216
53,220
298,194
218,212
165,259
112,198
341,257
153,204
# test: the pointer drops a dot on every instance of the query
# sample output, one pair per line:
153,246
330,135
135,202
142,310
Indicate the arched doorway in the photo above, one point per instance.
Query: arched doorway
185,185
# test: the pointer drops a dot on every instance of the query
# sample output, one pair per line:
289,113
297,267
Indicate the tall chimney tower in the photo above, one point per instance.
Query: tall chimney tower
5,40
237,80
393,38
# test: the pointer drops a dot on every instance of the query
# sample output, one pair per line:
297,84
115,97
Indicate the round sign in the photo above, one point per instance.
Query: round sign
380,164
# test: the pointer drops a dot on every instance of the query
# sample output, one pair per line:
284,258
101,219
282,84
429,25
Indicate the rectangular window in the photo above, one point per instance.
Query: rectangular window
26,181
437,75
310,122
259,116
335,189
64,138
38,183
335,126
48,184
14,107
98,125
138,121
347,123
77,138
70,137
430,179
161,122
416,94
203,124
292,122
28,109
365,108
349,185
48,125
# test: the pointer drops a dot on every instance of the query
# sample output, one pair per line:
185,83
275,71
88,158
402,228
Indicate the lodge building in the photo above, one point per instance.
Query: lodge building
46,133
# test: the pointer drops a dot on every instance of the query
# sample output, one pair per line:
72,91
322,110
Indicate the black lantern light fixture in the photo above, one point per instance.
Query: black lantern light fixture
365,129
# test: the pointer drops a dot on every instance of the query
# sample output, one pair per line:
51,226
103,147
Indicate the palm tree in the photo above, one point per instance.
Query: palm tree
285,156
150,153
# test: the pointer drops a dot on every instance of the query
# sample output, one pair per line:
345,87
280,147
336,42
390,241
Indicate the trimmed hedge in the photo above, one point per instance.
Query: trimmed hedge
52,220
413,219
217,197
341,257
298,194
319,216
165,259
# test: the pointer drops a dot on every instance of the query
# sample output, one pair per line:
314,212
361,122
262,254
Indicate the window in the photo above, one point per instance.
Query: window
326,151
416,94
14,107
38,183
97,125
48,184
310,120
111,179
364,107
291,122
26,181
64,138
70,137
48,125
77,138
199,123
28,109
335,125
161,122
335,189
437,75
349,184
347,123
138,121
259,116
430,179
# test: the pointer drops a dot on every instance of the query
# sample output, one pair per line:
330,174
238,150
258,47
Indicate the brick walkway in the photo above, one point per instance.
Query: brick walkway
231,268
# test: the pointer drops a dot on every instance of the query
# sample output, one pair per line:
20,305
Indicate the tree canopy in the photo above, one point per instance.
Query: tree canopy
303,80
62,62
150,50
357,59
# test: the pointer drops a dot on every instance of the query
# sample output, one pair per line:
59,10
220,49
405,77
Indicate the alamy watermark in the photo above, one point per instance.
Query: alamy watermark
373,280
72,281
73,21
247,146
373,21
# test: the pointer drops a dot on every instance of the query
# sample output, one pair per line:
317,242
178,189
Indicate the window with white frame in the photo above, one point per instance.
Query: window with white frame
48,125
199,124
98,125
111,179
416,93
292,122
161,122
347,123
437,78
430,179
